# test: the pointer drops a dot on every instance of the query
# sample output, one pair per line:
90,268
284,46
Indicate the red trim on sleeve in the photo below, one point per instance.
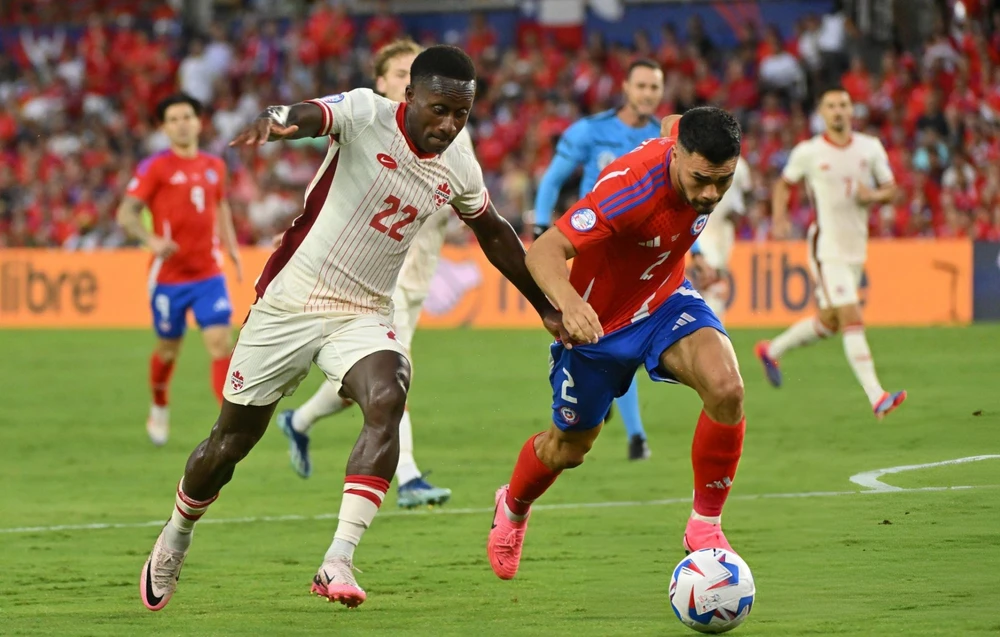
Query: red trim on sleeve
327,116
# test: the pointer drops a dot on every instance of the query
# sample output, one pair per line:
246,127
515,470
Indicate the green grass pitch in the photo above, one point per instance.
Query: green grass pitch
73,451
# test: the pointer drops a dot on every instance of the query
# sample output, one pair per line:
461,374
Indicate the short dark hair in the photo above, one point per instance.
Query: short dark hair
442,61
643,63
711,132
830,88
173,100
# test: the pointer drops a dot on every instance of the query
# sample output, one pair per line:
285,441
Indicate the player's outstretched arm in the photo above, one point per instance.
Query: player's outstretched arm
874,196
552,181
505,251
573,150
546,261
129,217
227,233
281,122
780,228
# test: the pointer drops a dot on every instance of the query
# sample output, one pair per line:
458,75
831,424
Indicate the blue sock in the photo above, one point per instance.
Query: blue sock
628,405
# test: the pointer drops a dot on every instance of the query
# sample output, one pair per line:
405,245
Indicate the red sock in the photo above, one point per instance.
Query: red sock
220,368
530,480
715,455
159,379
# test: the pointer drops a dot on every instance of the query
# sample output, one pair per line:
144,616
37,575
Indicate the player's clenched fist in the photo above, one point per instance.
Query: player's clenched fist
263,129
581,323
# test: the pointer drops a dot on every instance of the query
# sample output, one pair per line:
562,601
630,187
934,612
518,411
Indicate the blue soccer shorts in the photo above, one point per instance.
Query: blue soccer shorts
587,378
208,299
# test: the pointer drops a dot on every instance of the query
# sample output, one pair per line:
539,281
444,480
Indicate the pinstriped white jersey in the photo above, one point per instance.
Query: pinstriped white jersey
421,261
371,195
832,173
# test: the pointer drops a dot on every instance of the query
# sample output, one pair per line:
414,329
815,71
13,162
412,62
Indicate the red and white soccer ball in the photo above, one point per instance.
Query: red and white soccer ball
712,591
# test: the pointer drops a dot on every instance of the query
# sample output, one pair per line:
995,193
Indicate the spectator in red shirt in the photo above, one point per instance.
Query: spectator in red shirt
330,30
481,38
738,91
383,27
857,81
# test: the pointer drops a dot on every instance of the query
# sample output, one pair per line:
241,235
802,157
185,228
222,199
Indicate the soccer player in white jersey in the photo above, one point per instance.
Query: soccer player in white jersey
846,173
715,243
392,75
324,295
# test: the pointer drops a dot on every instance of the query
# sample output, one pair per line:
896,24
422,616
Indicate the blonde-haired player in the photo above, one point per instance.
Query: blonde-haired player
392,75
846,173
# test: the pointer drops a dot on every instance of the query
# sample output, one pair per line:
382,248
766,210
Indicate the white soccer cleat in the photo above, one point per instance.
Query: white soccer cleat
158,425
335,581
159,575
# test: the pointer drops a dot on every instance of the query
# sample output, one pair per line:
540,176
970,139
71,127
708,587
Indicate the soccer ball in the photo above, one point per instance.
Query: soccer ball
712,591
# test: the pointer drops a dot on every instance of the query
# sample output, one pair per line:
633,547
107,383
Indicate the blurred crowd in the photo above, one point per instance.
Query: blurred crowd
75,112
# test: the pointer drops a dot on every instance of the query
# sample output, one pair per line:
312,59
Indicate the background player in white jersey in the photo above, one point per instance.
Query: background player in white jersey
715,243
324,295
392,76
846,173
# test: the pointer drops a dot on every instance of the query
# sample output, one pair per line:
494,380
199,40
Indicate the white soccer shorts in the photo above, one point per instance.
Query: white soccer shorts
406,313
275,349
837,284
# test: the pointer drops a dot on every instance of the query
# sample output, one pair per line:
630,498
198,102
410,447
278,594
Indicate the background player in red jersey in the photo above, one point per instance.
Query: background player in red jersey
185,190
627,304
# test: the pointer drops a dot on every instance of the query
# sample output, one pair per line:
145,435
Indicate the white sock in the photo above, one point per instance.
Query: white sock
711,519
513,517
362,497
325,402
808,330
159,414
860,357
177,532
407,469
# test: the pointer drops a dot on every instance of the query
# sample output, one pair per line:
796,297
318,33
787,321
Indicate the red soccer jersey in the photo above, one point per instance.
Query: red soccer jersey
631,233
183,195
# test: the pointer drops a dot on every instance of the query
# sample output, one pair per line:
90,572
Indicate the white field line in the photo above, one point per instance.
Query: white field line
870,479
867,479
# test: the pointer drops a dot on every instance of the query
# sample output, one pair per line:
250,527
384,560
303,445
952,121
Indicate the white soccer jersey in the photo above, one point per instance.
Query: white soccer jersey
370,197
716,240
832,174
422,259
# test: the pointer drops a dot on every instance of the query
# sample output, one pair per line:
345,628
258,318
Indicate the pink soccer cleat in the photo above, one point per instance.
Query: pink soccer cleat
506,539
703,535
160,573
335,581
888,403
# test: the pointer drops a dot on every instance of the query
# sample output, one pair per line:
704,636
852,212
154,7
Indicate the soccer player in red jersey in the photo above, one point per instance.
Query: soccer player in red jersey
185,189
625,305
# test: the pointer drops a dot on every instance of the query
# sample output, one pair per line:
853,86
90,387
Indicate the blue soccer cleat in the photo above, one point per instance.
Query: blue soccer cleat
419,492
298,444
771,368
887,403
